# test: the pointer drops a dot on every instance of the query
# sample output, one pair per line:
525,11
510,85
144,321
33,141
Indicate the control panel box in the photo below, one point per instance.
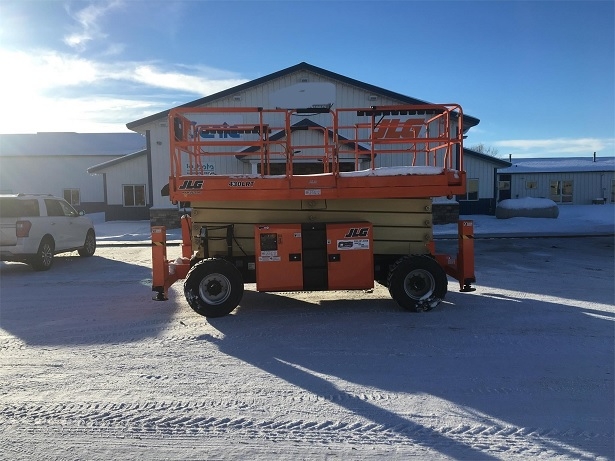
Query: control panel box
314,256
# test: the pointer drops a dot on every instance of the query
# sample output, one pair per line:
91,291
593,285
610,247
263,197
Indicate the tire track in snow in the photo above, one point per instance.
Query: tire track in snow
179,419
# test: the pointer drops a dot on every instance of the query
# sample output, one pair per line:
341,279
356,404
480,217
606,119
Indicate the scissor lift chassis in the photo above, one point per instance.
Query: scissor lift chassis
327,231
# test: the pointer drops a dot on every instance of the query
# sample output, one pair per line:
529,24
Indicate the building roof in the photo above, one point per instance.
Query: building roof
116,161
469,121
560,165
488,158
58,143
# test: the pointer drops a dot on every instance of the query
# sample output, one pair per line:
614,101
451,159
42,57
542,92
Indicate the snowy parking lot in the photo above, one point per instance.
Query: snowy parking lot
522,368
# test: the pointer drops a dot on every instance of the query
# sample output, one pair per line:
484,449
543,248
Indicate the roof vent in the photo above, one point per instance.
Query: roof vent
372,97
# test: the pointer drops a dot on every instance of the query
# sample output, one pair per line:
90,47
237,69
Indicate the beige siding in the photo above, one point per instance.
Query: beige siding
400,226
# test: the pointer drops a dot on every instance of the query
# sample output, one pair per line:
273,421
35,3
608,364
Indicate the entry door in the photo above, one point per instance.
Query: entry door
504,187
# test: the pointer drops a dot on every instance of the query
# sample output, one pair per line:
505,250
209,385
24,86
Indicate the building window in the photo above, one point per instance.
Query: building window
472,190
531,184
561,191
72,196
134,195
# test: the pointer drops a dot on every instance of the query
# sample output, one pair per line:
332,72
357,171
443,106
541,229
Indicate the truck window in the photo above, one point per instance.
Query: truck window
14,208
53,208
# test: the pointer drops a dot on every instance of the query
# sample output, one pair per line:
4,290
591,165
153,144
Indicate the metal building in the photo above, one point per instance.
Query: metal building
571,180
56,163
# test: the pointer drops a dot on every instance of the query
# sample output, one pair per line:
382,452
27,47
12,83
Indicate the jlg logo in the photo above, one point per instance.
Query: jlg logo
395,129
357,232
189,184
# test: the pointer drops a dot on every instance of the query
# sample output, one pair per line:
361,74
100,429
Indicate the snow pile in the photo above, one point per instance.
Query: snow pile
393,171
129,231
381,171
526,203
527,207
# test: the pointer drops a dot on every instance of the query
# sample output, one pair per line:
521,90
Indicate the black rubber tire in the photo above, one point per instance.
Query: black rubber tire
417,283
213,287
89,246
194,261
43,260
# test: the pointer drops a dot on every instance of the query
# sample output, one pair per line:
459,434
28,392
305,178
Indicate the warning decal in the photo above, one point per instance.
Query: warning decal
354,244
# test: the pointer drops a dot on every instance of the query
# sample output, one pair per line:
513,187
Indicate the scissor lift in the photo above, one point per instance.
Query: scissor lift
313,199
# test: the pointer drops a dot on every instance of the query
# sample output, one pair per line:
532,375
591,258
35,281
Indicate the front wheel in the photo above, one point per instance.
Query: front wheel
417,283
213,287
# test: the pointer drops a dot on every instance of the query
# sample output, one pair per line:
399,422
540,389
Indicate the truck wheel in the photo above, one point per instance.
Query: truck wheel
213,287
43,260
89,247
417,283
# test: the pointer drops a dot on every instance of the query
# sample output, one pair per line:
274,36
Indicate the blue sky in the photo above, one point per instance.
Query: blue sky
538,74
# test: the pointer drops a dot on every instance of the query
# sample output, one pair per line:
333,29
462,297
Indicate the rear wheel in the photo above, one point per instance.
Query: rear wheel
43,260
89,247
213,287
417,283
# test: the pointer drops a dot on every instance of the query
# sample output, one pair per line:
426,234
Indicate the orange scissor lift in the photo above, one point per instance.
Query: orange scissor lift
313,199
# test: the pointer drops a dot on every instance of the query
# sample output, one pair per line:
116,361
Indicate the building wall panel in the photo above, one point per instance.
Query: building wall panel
132,172
51,175
587,186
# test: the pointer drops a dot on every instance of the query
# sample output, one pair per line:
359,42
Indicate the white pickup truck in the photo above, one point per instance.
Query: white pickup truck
34,228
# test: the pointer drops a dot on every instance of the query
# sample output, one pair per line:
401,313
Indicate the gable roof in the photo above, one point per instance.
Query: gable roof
58,143
103,166
560,165
300,125
469,121
488,158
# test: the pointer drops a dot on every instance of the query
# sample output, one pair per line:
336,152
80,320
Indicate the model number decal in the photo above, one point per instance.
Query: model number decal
241,183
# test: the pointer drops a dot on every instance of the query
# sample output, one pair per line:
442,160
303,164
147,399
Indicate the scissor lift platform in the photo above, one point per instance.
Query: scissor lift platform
395,152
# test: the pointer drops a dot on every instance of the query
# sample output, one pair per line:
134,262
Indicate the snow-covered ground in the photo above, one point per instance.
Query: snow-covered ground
92,368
